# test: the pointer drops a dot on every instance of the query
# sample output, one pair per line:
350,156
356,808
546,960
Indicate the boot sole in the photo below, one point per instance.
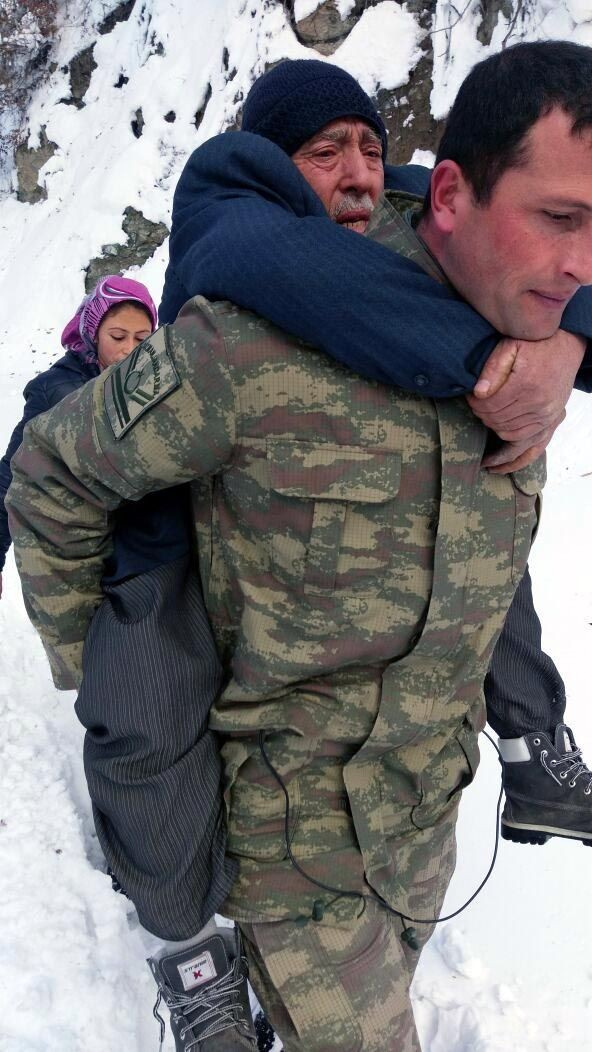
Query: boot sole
521,834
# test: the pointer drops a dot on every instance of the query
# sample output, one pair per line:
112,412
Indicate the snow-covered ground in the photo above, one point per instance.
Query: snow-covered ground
512,972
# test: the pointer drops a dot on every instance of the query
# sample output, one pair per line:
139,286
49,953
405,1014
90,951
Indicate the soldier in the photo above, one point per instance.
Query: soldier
357,562
245,227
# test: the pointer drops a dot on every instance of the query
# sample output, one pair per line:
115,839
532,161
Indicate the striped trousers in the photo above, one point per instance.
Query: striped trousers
150,674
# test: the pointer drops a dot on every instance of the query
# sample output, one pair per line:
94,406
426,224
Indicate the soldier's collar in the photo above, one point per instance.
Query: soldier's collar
393,222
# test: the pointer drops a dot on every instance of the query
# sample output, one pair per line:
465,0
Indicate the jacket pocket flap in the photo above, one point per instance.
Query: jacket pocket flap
328,472
530,480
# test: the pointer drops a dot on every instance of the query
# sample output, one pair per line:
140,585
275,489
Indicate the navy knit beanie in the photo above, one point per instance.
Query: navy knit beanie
294,100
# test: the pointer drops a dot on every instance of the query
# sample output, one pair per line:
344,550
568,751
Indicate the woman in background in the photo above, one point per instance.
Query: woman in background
113,319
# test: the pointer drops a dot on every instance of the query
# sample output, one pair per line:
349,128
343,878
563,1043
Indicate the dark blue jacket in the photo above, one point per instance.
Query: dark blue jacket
147,534
44,391
246,226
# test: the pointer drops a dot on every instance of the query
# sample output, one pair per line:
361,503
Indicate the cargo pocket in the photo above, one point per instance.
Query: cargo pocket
329,515
443,782
256,805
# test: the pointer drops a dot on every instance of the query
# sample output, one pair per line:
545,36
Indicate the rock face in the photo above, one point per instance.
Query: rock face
143,238
81,70
406,111
324,30
28,162
121,13
28,30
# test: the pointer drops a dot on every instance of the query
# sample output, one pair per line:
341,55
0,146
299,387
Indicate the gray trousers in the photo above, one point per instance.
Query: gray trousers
523,689
150,674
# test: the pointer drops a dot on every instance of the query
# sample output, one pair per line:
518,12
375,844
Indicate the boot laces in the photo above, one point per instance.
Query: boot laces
573,765
220,1011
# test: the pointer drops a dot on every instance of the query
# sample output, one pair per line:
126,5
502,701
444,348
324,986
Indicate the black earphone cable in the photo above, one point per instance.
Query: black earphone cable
409,935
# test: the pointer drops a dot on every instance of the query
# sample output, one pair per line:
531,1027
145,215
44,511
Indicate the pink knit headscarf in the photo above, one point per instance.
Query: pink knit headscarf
80,334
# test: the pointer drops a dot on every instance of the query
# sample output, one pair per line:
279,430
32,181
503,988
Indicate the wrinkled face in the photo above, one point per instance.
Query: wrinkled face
343,164
521,257
122,329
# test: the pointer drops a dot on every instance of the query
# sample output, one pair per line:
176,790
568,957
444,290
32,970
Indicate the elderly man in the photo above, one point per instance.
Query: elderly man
357,562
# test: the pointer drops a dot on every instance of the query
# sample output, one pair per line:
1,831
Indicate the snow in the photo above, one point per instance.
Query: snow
304,8
513,970
457,48
425,157
390,33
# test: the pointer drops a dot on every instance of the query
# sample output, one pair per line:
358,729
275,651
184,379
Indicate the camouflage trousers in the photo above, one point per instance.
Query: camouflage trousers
343,988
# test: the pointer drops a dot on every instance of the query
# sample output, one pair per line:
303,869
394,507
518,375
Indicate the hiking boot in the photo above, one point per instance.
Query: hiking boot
548,788
205,989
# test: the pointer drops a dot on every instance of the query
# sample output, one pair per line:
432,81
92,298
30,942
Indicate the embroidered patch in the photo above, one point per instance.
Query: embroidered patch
141,380
197,971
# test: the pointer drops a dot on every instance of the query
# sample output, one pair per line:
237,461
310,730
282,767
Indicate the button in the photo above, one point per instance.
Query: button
421,379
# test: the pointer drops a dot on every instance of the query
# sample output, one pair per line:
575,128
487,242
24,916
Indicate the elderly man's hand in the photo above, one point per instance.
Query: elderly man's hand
522,393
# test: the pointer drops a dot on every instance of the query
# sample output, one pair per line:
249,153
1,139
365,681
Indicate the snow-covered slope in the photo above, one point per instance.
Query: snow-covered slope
513,971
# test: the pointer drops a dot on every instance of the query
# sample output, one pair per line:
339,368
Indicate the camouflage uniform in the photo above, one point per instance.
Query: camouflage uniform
357,565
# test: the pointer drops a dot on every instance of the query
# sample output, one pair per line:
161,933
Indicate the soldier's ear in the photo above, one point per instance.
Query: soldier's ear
449,190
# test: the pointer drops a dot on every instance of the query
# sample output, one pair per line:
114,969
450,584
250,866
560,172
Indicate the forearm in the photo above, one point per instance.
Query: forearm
528,406
62,534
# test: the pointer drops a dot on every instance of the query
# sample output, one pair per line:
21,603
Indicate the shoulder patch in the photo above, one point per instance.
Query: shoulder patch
141,380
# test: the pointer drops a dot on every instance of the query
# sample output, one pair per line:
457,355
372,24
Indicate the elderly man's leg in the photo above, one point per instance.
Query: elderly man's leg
153,771
523,689
547,785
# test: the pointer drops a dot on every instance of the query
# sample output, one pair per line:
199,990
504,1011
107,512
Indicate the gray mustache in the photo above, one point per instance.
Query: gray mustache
350,203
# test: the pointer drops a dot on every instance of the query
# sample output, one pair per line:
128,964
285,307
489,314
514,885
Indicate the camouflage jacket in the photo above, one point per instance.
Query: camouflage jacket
357,563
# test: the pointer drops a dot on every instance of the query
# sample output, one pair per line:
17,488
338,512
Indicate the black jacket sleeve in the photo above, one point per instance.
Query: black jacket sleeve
584,377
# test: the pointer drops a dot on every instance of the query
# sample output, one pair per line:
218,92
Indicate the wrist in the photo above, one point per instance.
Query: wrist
574,347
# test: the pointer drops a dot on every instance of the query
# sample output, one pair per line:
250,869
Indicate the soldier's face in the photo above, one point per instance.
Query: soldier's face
343,164
521,257
122,329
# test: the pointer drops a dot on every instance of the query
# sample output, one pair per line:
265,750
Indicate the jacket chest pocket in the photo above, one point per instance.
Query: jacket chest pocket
331,515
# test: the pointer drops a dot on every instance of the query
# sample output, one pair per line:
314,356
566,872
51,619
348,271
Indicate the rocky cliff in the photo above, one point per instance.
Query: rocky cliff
75,54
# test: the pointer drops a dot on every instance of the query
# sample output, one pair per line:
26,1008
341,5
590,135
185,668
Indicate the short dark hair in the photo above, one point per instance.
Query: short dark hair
501,99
